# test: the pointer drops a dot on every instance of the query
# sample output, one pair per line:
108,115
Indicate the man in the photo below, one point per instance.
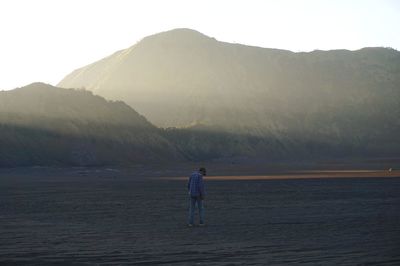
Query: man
196,195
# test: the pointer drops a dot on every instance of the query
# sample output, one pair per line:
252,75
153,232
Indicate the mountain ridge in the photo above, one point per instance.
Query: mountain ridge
73,127
179,83
45,125
332,97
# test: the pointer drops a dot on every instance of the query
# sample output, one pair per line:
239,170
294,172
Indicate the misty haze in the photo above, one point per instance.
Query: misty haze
284,156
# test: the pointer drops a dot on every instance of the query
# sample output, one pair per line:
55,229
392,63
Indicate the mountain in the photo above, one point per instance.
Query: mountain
181,77
320,99
49,126
45,125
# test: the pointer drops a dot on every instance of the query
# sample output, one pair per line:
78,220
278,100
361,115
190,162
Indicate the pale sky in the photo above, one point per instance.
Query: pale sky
44,40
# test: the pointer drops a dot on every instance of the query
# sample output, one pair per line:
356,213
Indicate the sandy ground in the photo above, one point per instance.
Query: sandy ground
319,174
134,217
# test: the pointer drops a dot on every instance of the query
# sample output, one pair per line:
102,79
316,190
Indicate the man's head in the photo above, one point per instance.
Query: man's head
203,171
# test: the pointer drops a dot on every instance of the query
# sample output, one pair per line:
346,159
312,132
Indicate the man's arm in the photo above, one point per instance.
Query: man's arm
201,187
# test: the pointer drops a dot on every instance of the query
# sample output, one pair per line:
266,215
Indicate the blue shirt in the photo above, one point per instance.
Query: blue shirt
196,185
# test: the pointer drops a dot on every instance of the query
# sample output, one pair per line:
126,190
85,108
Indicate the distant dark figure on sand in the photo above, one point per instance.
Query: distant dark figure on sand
196,195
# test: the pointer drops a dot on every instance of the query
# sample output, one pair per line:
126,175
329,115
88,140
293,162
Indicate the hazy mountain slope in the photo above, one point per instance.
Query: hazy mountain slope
45,125
340,98
181,77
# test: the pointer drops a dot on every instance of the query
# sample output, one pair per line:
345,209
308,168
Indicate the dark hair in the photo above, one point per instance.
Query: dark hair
202,169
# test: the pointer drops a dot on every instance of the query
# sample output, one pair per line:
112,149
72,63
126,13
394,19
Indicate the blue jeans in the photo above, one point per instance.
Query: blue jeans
192,209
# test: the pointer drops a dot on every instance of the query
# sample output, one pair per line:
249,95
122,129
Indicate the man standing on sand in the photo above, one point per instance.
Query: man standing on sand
196,195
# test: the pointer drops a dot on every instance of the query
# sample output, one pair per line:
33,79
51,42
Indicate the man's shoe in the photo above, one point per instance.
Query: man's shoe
202,224
190,225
